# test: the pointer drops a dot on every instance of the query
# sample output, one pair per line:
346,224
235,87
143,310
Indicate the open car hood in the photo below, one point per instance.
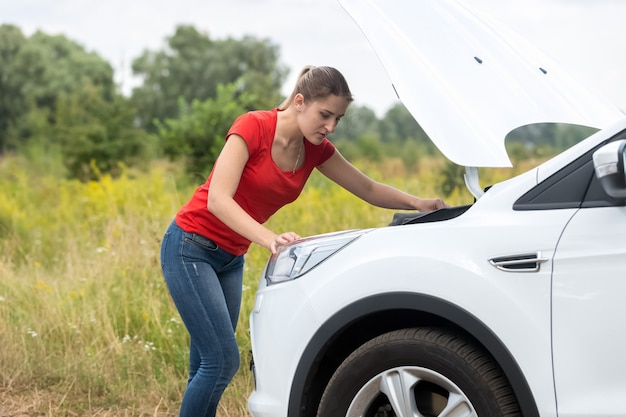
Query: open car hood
467,82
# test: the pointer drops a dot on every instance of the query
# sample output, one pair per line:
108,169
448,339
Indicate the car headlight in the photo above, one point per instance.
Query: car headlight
294,260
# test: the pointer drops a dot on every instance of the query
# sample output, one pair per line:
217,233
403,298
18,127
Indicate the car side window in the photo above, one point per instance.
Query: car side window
574,186
564,189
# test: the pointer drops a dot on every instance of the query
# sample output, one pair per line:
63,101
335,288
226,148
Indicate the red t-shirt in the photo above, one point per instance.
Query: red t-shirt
263,188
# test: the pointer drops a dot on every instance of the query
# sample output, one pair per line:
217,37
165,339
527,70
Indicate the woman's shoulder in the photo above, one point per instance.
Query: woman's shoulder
254,120
259,116
256,127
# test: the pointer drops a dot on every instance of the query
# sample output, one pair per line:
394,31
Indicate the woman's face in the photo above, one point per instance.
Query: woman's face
319,118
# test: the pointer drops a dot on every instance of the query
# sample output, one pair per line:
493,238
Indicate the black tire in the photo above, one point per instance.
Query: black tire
418,372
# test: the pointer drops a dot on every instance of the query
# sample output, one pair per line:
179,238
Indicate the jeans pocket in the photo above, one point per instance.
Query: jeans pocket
201,241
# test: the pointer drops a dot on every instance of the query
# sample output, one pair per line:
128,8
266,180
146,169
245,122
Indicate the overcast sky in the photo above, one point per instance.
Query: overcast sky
587,37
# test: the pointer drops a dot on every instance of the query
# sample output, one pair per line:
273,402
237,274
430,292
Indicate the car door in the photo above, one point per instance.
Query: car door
589,312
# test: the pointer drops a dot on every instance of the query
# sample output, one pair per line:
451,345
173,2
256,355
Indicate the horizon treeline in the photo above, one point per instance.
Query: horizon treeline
59,101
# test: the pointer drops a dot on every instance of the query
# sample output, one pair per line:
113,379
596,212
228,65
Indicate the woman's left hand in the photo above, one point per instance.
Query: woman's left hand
282,240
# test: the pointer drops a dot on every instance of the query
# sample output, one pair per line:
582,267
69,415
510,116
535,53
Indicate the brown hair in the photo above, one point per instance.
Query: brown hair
316,83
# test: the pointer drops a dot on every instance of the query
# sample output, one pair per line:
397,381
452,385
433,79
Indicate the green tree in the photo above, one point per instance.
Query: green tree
198,134
555,136
410,153
191,67
47,66
12,103
36,71
97,136
399,125
370,147
358,121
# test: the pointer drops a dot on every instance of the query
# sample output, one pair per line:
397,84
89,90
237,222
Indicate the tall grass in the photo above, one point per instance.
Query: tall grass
86,323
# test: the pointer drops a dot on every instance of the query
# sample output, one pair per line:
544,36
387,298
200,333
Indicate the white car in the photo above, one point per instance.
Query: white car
510,306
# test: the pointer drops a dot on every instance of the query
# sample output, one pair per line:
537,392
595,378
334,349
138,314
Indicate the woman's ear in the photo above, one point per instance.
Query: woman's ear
298,101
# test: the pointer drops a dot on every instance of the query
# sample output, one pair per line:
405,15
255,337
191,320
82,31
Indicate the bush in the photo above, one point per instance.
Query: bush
197,136
97,136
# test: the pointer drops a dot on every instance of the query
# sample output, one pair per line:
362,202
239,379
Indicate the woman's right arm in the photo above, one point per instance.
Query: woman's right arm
226,176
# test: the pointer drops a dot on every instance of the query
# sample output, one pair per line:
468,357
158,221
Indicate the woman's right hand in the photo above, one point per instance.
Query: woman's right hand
282,240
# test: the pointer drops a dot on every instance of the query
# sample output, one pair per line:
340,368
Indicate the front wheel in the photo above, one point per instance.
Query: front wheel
425,372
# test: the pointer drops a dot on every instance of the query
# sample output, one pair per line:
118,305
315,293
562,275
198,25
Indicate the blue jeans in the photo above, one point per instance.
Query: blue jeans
205,284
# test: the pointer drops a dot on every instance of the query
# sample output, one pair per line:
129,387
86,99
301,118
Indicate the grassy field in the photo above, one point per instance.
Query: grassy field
86,324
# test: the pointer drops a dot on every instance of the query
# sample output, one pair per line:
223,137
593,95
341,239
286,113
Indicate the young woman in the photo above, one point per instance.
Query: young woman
264,164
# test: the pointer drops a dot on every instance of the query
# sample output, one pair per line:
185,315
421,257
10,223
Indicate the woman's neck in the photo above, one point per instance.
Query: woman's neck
287,131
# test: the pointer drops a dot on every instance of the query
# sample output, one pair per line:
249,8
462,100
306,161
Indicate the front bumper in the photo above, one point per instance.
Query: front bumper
280,326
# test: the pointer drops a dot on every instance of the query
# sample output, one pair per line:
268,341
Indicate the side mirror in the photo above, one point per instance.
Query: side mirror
608,162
